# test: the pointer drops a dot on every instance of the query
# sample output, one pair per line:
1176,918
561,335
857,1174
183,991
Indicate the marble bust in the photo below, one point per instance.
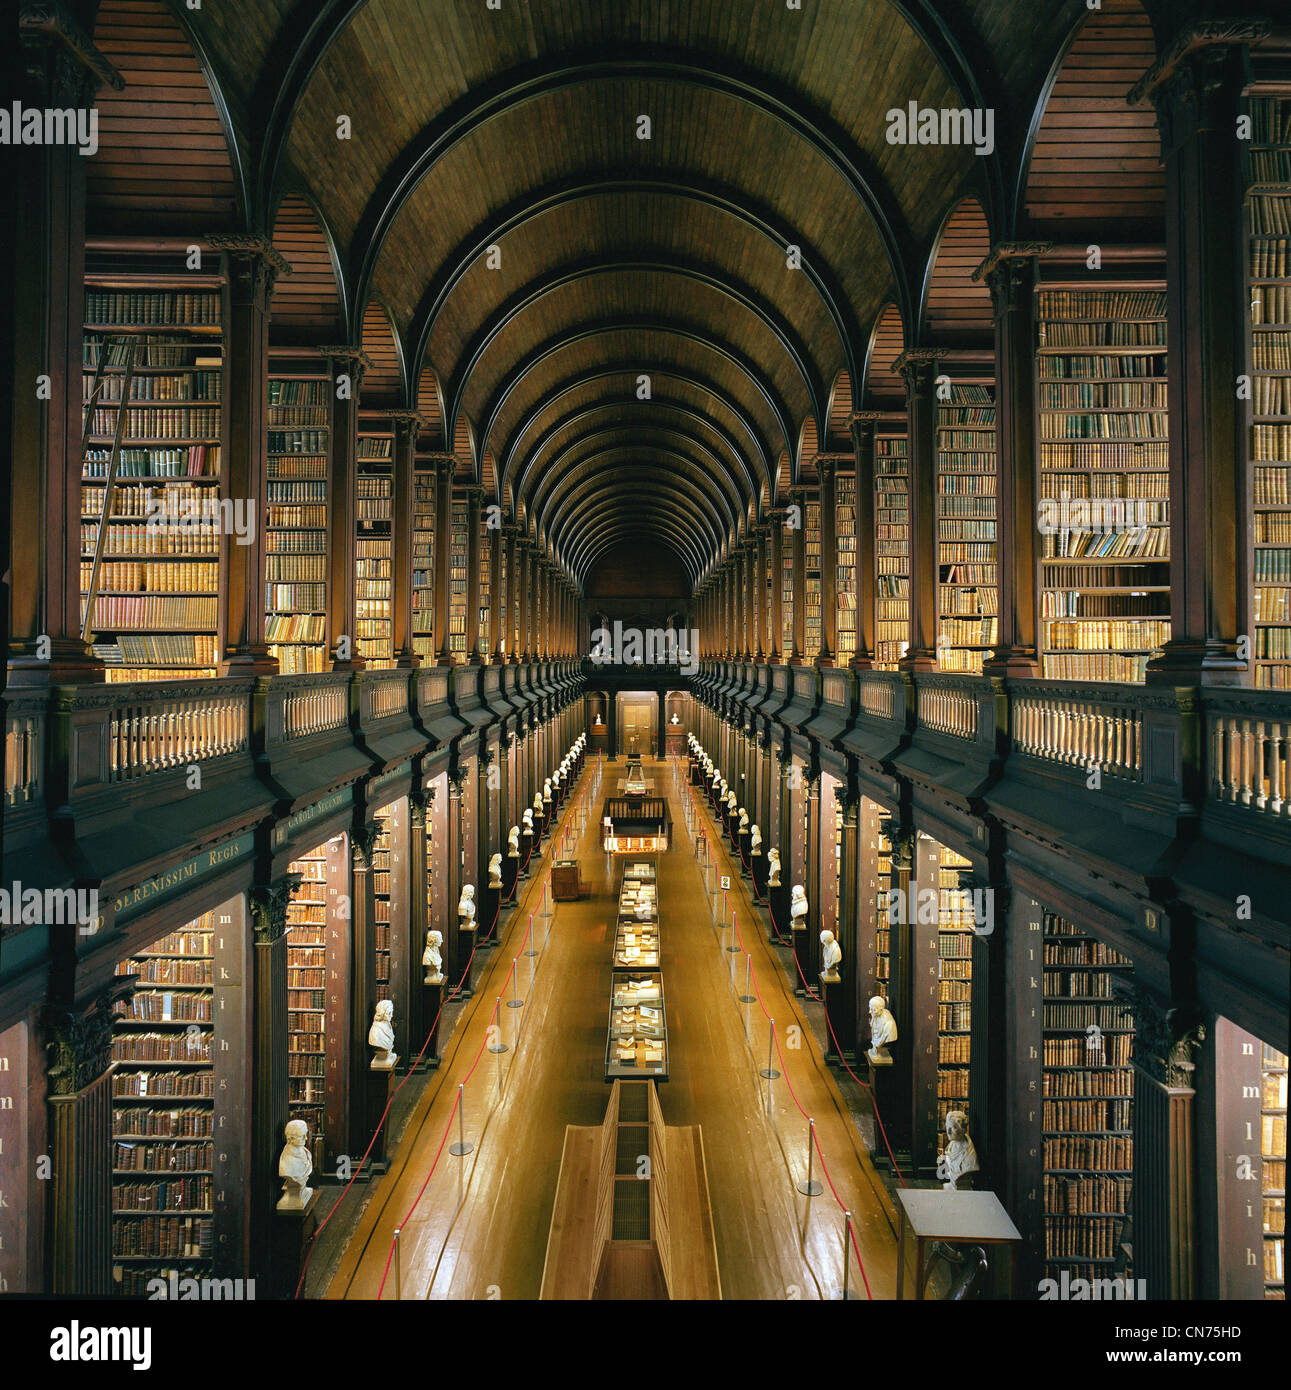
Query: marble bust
798,907
495,871
381,1037
513,842
960,1157
432,959
831,957
546,791
773,868
755,843
883,1030
744,821
294,1167
466,908
537,802
527,818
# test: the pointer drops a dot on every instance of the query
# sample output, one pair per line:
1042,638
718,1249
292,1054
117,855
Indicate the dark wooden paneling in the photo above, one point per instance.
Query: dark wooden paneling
957,310
382,382
881,382
307,303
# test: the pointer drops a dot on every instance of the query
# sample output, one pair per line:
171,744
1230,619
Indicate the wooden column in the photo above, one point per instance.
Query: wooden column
861,425
249,265
458,945
918,367
526,599
497,617
346,366
270,1087
473,494
1196,91
848,915
1010,273
411,1002
363,996
406,425
56,67
760,594
1165,1199
444,466
515,599
827,471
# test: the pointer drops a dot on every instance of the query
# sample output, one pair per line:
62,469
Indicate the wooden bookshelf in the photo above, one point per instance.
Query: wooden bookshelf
1103,506
423,561
374,592
891,550
1273,1168
887,879
485,562
967,579
845,574
307,997
152,612
1088,1098
381,900
296,559
954,988
163,1111
786,595
1268,345
457,579
811,576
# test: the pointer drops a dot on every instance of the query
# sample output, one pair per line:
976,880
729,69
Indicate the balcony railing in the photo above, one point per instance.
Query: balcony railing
313,705
155,728
1086,729
948,705
1248,737
23,755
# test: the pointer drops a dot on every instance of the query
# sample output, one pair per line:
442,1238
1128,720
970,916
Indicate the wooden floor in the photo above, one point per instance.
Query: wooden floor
480,1227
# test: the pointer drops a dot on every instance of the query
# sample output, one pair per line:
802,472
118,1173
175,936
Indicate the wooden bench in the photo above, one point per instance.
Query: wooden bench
626,1228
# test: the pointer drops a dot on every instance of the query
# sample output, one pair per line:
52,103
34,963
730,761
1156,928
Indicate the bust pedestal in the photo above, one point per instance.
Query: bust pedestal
527,841
887,1102
840,1048
778,907
745,841
510,876
432,997
466,945
802,956
378,1087
758,873
289,1239
490,917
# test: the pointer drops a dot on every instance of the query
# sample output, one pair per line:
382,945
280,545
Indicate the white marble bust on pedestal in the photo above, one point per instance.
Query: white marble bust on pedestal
798,907
432,959
744,821
495,871
546,791
831,957
526,818
381,1037
466,908
537,803
960,1157
755,841
773,868
883,1030
513,842
294,1167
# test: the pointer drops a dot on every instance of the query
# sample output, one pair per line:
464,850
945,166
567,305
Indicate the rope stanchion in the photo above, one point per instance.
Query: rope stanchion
515,1002
463,1145
398,1292
810,1188
531,950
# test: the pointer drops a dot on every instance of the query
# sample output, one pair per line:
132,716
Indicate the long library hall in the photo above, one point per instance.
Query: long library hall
648,656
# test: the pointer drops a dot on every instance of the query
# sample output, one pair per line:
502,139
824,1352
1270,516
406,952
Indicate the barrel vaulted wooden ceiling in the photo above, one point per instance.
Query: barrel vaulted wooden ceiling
614,333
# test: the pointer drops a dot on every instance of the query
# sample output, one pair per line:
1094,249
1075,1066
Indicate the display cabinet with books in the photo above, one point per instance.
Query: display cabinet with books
636,939
638,1034
152,511
955,932
1268,317
891,550
1103,509
1087,1105
374,593
458,586
967,591
296,559
423,561
175,1048
811,575
845,574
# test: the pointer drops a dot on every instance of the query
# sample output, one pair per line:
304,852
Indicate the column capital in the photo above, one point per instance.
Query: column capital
352,358
865,417
79,1043
1165,1035
363,839
1005,251
1193,36
917,366
77,68
268,903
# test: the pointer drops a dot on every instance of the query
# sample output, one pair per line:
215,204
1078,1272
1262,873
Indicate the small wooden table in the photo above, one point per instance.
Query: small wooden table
958,1218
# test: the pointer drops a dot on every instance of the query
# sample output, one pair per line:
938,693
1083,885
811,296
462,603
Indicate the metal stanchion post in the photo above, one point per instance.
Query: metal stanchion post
769,1071
847,1256
462,1147
810,1188
732,947
498,1047
545,912
515,1001
532,950
746,997
398,1292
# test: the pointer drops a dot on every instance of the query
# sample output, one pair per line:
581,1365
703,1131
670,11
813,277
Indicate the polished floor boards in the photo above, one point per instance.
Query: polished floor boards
479,1228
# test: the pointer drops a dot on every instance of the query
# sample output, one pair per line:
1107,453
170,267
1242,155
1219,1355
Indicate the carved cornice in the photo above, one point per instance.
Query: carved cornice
354,358
1010,251
52,22
1200,33
916,366
865,417
419,804
269,909
250,247
79,1049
